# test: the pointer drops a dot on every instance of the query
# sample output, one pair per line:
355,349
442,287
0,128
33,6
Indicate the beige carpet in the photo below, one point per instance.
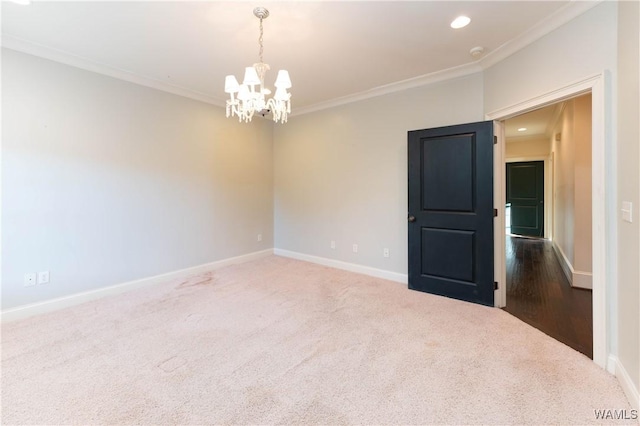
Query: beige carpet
288,342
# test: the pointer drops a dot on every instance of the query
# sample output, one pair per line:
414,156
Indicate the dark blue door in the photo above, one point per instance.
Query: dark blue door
525,198
451,211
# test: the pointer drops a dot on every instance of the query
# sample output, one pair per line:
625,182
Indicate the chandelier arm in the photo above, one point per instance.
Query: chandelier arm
251,100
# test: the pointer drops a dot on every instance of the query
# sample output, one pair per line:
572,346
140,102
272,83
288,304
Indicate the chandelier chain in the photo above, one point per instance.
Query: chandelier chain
249,98
260,41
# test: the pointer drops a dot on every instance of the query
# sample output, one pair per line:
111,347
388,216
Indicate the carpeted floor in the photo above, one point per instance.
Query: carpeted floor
283,341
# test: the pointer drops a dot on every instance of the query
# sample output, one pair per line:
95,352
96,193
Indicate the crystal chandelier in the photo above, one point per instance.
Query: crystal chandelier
249,97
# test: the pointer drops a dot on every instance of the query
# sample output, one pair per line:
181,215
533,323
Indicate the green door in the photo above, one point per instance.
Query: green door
525,198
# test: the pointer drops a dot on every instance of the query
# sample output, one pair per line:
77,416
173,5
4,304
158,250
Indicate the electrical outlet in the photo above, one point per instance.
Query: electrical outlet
43,277
385,252
355,248
30,279
259,237
333,245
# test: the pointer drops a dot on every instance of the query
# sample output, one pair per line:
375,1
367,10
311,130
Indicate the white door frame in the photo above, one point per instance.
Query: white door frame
603,176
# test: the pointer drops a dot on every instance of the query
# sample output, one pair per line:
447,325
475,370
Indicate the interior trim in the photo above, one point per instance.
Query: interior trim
614,366
566,266
16,43
423,80
603,209
25,311
338,264
552,22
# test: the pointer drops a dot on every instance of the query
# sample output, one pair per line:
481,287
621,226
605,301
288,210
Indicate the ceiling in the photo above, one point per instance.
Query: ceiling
538,123
332,50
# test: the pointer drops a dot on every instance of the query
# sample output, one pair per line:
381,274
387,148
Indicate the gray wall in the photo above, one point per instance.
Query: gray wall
629,187
341,174
604,38
581,48
564,184
105,181
572,202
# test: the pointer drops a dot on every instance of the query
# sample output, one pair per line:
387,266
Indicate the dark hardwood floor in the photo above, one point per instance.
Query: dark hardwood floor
539,294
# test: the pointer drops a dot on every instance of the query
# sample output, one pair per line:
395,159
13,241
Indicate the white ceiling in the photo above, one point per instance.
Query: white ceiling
332,50
539,123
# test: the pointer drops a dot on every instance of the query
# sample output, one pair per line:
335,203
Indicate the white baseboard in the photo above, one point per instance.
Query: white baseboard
352,267
579,279
582,280
625,381
567,268
32,309
611,364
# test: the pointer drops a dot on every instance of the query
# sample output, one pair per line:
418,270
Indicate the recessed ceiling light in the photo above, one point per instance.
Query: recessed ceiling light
21,2
460,21
522,129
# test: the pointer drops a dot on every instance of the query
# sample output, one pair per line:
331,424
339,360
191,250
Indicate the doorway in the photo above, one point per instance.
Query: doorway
545,278
603,236
524,211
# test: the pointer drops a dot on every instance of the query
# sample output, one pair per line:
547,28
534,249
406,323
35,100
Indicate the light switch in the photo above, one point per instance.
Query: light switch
627,211
43,277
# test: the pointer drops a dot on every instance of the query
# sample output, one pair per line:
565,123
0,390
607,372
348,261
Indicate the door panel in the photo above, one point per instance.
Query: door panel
446,176
451,199
525,197
448,253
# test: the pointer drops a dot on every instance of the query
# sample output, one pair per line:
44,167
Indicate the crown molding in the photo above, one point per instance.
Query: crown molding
565,14
16,43
411,83
554,21
572,90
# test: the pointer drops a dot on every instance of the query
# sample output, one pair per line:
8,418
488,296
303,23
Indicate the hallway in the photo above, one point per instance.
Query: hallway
539,294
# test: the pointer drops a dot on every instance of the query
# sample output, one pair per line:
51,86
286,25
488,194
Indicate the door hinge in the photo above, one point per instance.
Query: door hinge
495,212
495,285
495,140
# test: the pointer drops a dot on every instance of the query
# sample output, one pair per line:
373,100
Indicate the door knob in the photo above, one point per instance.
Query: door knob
411,218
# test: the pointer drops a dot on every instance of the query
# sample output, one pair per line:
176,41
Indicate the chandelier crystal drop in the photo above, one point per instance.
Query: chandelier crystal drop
249,98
